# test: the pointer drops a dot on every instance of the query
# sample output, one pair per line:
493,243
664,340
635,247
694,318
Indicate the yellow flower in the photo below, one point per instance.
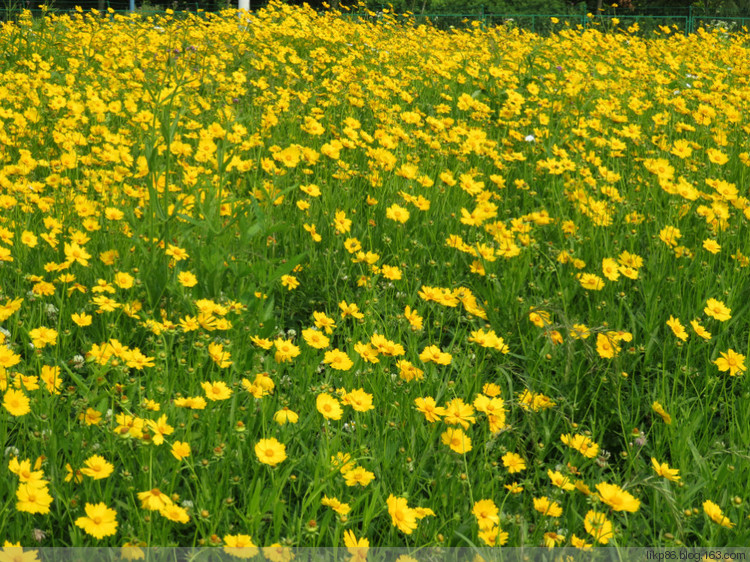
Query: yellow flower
177,254
285,350
598,526
43,336
154,499
659,409
546,507
240,546
700,330
72,475
329,406
51,377
402,516
427,406
494,536
514,488
284,416
617,498
591,282
81,319
552,539
716,515
75,253
432,353
100,521
216,390
159,428
397,213
356,547
458,412
180,450
578,542
457,440
336,505
338,360
219,355
289,281
677,328
712,246
175,513
359,400
33,497
486,513
717,310
358,476
97,467
732,362
582,444
663,469
270,451
606,346
560,481
187,279
513,462
315,338
16,402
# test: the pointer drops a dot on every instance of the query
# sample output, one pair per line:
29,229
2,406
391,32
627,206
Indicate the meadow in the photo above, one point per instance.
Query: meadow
300,279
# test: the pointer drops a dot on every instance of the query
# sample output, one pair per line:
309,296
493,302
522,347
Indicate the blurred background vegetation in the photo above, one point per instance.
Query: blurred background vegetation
655,8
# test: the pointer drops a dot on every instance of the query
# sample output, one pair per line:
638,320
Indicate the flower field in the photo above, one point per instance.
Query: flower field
301,279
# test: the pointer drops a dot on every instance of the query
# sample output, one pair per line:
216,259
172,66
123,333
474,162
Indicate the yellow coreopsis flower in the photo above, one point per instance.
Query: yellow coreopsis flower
662,469
717,310
33,498
270,451
159,428
180,450
598,526
285,415
240,546
617,498
154,499
358,476
457,440
100,521
513,462
402,516
97,467
582,444
16,402
356,547
338,360
715,513
677,328
81,319
43,336
329,406
216,390
731,361
546,507
336,505
486,513
659,409
219,355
